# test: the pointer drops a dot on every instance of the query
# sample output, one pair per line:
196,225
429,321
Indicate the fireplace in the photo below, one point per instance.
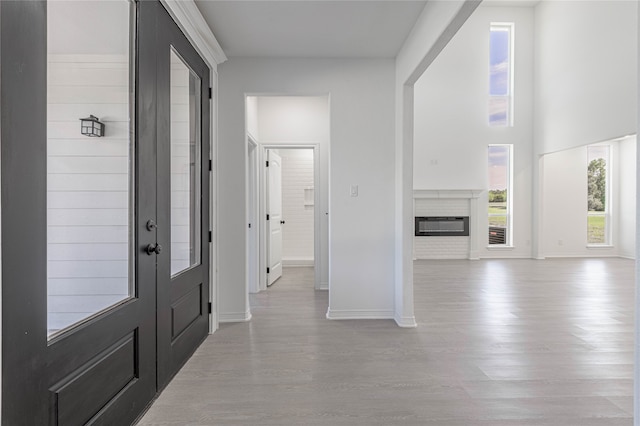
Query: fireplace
439,226
446,223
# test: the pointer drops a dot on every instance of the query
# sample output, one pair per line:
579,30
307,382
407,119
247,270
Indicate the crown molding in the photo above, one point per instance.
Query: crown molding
190,20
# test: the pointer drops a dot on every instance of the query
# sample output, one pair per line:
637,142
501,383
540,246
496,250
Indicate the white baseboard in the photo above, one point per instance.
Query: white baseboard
235,316
213,323
578,256
359,314
405,322
292,263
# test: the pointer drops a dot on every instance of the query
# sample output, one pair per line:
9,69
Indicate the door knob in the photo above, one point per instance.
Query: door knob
151,225
153,248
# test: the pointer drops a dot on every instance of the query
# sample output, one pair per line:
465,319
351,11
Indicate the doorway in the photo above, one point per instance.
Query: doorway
289,194
284,125
106,286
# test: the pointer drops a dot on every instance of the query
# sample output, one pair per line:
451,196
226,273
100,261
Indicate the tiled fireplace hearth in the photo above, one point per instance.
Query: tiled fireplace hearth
447,203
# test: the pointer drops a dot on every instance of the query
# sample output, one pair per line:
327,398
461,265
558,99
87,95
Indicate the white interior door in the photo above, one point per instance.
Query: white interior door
274,214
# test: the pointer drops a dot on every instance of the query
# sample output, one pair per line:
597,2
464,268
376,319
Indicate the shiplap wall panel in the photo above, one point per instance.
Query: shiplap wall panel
76,95
85,286
61,112
88,186
87,199
88,269
87,164
87,251
87,148
87,234
298,231
83,182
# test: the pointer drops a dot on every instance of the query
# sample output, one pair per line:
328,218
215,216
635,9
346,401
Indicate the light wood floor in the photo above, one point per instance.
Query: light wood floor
499,342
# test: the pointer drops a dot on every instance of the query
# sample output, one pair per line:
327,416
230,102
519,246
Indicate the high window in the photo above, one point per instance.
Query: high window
501,74
500,194
598,190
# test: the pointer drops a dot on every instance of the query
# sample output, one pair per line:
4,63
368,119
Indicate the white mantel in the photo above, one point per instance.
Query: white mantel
468,194
447,193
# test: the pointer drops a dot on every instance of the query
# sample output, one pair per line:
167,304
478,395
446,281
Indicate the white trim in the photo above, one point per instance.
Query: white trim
252,192
406,322
235,317
324,285
348,314
192,23
577,256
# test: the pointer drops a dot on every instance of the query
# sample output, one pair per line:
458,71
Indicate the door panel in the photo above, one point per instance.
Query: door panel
105,366
183,203
274,207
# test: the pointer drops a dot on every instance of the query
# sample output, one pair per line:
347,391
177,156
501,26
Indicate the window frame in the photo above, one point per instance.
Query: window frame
606,214
509,27
509,205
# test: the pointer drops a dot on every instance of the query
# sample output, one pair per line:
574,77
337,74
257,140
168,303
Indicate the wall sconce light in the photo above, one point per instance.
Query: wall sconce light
91,126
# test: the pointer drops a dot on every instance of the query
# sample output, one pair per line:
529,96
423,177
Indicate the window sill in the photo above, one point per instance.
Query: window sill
500,247
599,246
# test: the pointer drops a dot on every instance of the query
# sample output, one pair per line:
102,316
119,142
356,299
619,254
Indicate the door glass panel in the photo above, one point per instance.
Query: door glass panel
89,177
185,166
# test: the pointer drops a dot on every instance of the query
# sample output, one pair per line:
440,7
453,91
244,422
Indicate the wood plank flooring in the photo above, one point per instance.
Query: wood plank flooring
498,342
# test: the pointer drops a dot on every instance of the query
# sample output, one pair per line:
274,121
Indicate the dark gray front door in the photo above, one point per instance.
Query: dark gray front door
95,319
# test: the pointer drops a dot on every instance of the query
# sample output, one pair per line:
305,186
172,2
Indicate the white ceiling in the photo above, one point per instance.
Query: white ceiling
311,28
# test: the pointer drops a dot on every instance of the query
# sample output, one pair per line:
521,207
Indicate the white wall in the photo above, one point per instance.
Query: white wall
586,72
297,232
565,201
361,276
451,121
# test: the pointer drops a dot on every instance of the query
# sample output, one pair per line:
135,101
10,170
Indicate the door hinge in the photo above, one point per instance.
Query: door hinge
210,307
210,93
267,164
210,236
210,165
267,217
268,270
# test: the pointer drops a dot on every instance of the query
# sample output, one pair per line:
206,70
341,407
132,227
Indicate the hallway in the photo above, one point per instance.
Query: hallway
499,342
